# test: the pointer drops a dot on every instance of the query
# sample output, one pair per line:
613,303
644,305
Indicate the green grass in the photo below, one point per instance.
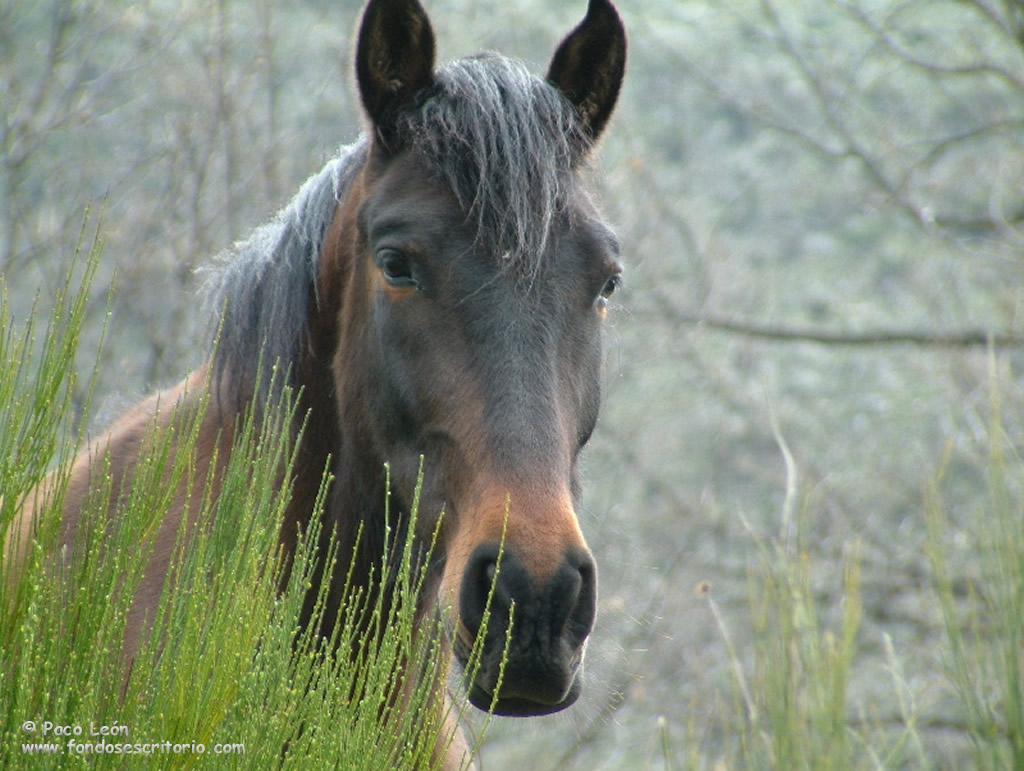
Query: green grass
228,661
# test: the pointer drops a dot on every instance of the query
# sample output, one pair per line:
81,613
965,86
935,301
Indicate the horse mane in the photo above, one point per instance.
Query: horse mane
502,139
258,292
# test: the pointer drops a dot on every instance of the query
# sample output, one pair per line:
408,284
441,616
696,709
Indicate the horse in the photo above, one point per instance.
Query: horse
436,294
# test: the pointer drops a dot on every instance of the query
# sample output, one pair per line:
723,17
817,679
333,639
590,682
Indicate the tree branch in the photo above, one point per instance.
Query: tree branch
897,49
971,338
993,16
872,165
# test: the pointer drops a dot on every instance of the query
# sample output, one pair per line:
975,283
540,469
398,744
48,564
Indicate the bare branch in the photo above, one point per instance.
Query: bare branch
763,114
943,146
994,17
225,113
871,165
971,338
63,17
832,118
890,43
271,171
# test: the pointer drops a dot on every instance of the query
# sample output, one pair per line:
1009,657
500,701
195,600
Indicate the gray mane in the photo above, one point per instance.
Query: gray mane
258,293
503,140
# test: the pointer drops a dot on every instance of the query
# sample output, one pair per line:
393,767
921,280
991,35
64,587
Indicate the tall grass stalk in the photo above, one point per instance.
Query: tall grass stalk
792,707
802,666
227,661
984,616
791,687
792,698
38,386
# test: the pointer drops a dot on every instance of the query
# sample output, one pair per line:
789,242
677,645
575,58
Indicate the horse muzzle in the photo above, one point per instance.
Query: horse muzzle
533,637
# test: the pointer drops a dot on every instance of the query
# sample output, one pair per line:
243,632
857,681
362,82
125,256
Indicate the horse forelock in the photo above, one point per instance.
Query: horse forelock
505,142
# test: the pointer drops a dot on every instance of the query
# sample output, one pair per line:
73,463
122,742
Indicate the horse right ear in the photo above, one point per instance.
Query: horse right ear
394,61
589,65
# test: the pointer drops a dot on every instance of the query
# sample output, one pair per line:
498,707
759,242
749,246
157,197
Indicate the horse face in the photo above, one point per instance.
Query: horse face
496,384
490,374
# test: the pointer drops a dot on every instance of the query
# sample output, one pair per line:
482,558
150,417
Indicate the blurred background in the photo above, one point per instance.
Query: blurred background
822,210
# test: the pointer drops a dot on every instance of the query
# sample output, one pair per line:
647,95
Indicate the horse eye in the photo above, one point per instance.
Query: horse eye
613,283
396,267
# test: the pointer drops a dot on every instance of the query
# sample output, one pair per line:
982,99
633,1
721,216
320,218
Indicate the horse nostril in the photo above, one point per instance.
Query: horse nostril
585,610
573,597
476,587
488,584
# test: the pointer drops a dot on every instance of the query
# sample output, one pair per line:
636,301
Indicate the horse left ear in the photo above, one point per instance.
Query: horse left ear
394,61
589,64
